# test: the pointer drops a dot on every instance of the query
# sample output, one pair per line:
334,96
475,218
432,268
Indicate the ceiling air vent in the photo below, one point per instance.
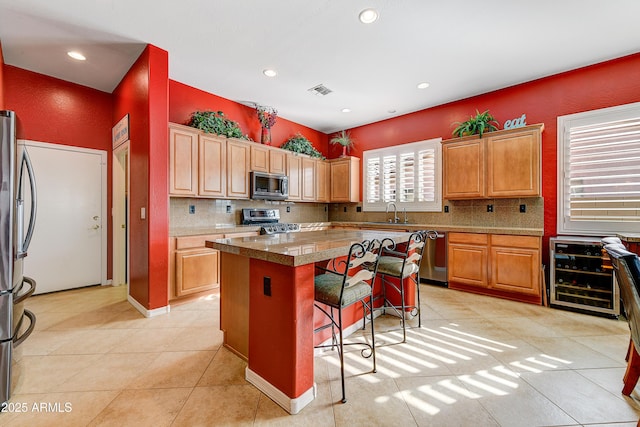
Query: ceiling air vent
320,90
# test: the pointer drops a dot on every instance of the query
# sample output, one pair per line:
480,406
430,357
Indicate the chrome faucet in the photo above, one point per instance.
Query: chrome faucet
395,212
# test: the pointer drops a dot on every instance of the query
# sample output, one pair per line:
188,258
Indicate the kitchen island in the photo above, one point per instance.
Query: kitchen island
266,305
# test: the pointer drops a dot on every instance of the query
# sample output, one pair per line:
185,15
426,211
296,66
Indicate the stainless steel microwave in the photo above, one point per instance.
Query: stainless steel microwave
269,186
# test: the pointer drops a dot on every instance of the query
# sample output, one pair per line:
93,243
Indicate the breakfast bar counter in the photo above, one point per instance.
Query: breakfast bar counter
266,305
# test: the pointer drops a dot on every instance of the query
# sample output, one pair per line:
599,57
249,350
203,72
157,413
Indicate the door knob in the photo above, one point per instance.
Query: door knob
96,217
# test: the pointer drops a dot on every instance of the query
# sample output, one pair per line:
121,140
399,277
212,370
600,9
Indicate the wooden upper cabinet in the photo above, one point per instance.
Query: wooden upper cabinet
501,164
294,172
322,181
464,169
259,158
345,179
238,166
308,179
277,161
183,160
212,162
513,164
268,159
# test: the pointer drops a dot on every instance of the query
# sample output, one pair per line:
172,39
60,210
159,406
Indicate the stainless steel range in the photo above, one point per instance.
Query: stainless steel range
269,219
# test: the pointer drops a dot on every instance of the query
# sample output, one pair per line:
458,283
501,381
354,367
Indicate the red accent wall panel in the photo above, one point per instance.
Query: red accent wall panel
602,85
60,112
184,100
142,94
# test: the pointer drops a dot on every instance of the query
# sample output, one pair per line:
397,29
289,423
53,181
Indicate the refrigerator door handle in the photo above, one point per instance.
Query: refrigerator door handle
26,240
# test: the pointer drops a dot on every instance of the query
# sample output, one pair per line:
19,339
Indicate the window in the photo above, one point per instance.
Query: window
599,171
410,175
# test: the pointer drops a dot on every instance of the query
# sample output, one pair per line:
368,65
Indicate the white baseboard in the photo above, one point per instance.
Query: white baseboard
144,311
292,406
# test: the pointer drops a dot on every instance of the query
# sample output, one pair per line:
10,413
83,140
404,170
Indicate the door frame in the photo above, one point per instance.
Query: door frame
118,194
103,191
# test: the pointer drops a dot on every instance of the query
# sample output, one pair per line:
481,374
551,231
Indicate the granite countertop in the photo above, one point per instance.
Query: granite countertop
311,226
295,249
444,228
629,237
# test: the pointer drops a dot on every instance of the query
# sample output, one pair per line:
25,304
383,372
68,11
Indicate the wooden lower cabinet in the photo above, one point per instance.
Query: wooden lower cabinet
506,266
194,267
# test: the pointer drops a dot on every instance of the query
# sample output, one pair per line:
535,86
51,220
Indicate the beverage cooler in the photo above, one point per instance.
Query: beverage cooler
581,276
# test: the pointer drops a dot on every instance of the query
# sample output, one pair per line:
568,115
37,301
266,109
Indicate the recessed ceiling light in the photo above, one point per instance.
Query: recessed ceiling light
368,16
269,72
346,110
423,85
76,55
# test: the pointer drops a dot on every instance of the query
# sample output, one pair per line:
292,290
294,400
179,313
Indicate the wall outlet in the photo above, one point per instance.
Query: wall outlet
489,208
345,208
192,209
266,282
523,208
446,208
228,208
358,208
288,208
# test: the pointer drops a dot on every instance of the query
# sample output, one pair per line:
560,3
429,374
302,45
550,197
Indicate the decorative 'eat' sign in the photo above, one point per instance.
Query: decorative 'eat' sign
516,123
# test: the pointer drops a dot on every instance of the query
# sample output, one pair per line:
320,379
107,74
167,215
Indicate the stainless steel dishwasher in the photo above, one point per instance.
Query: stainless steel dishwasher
433,268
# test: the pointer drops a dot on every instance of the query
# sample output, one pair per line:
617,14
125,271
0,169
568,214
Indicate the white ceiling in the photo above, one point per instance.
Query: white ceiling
461,47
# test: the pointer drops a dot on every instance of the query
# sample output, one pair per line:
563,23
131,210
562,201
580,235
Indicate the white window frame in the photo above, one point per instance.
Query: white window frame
598,228
396,151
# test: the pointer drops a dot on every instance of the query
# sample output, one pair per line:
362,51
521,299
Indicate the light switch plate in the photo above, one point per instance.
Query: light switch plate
143,213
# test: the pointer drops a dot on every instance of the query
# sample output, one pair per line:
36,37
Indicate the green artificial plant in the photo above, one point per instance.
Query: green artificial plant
299,144
481,123
215,122
344,139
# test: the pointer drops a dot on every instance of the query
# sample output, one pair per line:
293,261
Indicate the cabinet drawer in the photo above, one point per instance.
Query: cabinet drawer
195,241
468,238
509,241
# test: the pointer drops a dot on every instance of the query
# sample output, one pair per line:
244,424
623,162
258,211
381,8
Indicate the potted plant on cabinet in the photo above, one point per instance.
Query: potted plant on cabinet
481,123
215,122
300,144
345,140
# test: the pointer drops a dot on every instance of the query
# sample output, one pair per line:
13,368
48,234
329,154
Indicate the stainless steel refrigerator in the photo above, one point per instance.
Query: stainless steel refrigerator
16,229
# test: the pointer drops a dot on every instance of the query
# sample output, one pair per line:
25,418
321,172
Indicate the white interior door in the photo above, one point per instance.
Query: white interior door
120,178
69,245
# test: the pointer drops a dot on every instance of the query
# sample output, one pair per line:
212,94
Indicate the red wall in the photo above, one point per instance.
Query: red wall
603,85
184,100
56,111
143,94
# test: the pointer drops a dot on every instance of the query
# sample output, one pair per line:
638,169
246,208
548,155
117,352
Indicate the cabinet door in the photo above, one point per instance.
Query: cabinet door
515,264
197,270
345,180
238,164
467,259
308,179
463,169
322,181
212,160
277,162
183,161
259,158
513,164
294,172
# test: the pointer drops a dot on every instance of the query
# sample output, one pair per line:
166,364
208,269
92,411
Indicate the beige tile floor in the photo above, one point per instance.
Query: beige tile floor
476,361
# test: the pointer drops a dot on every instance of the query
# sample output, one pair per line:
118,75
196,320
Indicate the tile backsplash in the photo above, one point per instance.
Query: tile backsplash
471,213
209,212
